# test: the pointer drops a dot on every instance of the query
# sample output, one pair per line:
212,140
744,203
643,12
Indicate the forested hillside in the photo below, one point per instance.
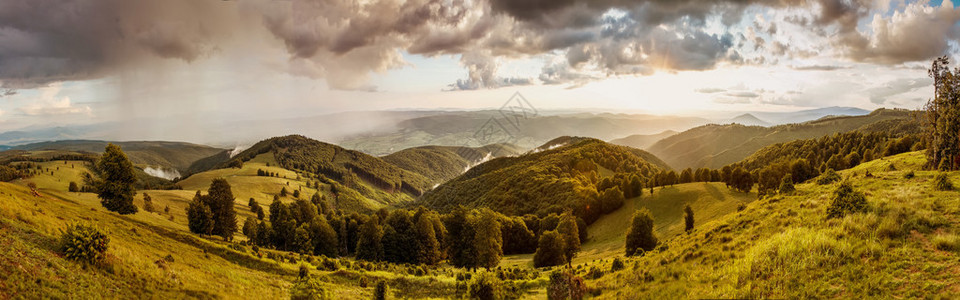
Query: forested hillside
588,176
442,163
714,146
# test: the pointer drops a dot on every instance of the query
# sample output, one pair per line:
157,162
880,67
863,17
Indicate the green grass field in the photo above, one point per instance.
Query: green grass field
904,246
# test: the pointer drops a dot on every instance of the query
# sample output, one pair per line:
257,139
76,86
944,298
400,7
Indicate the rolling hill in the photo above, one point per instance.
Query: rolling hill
442,163
365,181
563,174
177,156
714,146
642,141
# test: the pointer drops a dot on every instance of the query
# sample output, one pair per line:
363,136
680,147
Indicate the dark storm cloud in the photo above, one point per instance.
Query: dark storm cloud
344,41
42,41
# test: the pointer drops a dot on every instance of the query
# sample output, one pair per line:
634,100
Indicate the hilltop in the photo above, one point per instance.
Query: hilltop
714,146
441,163
177,156
566,173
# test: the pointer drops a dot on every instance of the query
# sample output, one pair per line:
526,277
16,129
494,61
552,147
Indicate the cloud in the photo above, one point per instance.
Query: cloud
918,33
344,42
710,90
818,68
881,94
50,105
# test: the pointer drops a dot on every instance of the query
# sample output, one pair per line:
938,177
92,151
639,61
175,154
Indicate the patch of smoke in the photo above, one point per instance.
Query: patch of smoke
485,158
168,174
237,149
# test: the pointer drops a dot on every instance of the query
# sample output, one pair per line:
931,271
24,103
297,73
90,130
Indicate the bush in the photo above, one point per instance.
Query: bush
617,265
688,218
565,285
84,243
364,282
786,185
485,286
845,201
73,188
909,175
829,176
594,273
380,292
304,289
942,183
946,242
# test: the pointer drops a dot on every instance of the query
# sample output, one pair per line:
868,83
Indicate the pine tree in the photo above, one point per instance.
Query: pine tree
250,228
115,187
942,117
199,216
221,202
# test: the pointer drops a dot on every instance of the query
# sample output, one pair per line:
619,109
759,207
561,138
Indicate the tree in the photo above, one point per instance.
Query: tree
283,192
488,241
253,204
786,185
550,250
301,240
460,236
250,228
399,240
147,203
686,176
640,237
425,223
115,187
221,201
688,218
942,117
571,236
611,200
741,180
73,188
283,225
199,216
324,237
368,242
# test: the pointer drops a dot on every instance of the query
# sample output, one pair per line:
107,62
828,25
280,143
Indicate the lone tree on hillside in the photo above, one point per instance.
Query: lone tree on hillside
220,199
942,117
115,186
640,237
688,217
571,236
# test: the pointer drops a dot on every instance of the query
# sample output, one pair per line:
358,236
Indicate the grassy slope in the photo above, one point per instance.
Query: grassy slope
607,235
30,266
784,247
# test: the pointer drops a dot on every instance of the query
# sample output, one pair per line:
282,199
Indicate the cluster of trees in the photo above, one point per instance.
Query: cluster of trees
261,172
559,246
214,212
942,117
8,173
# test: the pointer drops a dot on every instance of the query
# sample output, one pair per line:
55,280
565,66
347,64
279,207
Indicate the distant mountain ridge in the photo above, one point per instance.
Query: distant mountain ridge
714,146
172,155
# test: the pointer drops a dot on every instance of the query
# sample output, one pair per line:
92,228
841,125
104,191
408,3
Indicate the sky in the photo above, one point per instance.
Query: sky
194,62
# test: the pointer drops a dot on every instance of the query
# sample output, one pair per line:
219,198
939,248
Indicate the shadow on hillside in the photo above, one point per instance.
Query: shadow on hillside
240,259
714,191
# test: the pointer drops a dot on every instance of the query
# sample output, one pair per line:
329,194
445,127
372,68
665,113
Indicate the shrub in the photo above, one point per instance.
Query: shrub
380,292
364,282
786,185
84,243
942,183
485,286
304,272
594,273
829,176
73,188
304,289
688,218
946,242
909,175
846,200
565,285
617,265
